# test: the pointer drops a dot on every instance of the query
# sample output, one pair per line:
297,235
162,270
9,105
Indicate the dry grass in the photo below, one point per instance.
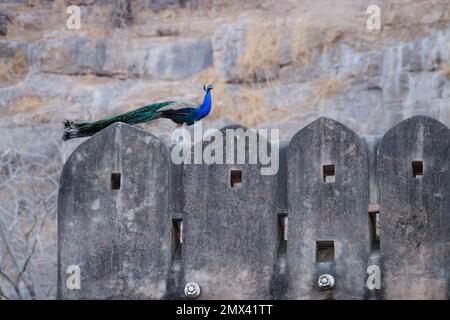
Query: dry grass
250,109
301,42
310,39
260,112
18,29
59,5
446,70
15,69
331,38
26,104
5,72
19,63
262,50
327,88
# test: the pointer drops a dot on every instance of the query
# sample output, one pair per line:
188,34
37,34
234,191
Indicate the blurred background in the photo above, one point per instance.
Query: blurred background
275,64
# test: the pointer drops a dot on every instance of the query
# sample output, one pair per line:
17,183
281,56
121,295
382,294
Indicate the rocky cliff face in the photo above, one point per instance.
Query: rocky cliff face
276,64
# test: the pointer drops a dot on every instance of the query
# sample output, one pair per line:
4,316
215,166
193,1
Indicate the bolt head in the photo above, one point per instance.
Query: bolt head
192,290
326,281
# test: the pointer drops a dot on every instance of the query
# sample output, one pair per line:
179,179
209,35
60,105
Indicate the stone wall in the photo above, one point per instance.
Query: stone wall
328,200
414,179
140,227
115,216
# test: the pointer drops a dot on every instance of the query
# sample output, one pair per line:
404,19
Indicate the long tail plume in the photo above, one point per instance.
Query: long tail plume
73,129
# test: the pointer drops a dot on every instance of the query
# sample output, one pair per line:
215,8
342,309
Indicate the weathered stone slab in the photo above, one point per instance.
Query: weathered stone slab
414,183
165,60
328,196
116,56
118,230
73,55
230,233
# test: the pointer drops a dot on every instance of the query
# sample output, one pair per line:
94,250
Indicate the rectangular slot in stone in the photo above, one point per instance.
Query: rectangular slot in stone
115,181
417,167
178,231
324,251
283,225
235,178
374,221
328,173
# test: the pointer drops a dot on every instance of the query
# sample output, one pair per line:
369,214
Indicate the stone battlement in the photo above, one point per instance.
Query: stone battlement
138,226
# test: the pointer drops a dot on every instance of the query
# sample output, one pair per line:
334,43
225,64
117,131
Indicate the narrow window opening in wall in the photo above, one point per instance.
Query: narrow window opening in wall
417,167
177,232
281,264
235,178
115,181
374,220
324,251
283,226
329,173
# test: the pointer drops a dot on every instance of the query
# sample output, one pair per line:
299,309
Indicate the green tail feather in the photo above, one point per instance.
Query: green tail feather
85,129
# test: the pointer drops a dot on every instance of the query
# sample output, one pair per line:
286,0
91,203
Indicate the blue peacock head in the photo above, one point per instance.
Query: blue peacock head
209,87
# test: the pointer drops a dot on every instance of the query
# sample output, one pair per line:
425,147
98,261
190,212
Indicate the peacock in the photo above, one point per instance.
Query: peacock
180,112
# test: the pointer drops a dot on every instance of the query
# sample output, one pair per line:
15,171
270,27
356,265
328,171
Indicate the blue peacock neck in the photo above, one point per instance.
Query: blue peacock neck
205,107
